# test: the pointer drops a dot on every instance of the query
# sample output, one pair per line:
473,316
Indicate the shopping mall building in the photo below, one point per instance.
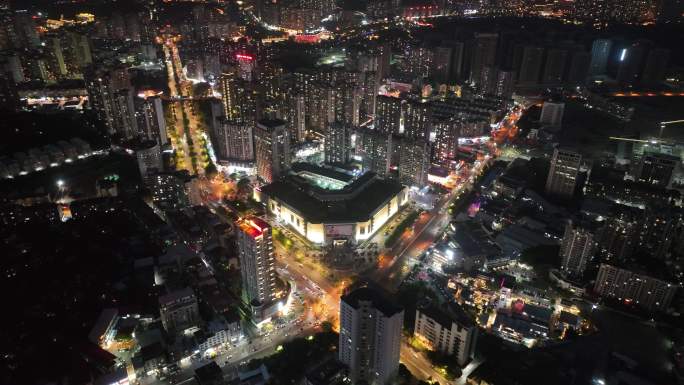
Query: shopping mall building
332,206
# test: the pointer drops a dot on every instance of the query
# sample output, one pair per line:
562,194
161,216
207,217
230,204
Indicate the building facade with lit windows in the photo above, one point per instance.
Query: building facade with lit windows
449,332
370,336
562,177
271,149
640,289
257,260
328,206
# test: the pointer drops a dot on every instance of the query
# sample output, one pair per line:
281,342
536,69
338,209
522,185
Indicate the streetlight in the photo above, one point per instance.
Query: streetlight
60,183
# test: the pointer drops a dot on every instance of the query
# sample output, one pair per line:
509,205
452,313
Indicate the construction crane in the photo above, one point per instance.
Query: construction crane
664,124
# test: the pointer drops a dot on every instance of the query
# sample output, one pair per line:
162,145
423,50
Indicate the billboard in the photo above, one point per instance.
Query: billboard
339,231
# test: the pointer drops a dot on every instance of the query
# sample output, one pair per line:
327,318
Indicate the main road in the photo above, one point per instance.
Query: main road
181,92
427,229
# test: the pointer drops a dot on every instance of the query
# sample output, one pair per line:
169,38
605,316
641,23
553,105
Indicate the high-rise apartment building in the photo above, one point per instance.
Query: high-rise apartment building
234,141
552,113
418,61
579,67
562,177
296,116
111,96
337,146
169,189
239,101
370,336
449,331
600,53
271,149
484,47
631,287
257,260
577,248
618,237
445,146
655,168
417,119
149,156
441,64
375,150
505,82
151,120
179,310
412,160
388,114
124,119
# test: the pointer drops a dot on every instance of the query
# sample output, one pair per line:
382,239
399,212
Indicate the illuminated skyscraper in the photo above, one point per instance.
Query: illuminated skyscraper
234,141
296,119
271,149
370,336
239,101
417,119
337,143
562,177
151,120
375,150
447,131
388,114
600,52
257,260
412,157
577,248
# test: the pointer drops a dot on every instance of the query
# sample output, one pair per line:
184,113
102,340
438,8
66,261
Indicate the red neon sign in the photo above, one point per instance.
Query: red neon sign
246,57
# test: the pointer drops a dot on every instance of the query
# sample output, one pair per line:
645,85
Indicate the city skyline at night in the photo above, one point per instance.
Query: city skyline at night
320,192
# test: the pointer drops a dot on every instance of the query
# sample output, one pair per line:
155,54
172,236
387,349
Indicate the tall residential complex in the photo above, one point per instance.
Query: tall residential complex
151,120
111,96
552,113
239,102
271,149
149,157
388,111
656,169
449,331
337,146
600,53
625,285
412,160
577,248
257,260
234,141
562,177
370,336
417,119
375,149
